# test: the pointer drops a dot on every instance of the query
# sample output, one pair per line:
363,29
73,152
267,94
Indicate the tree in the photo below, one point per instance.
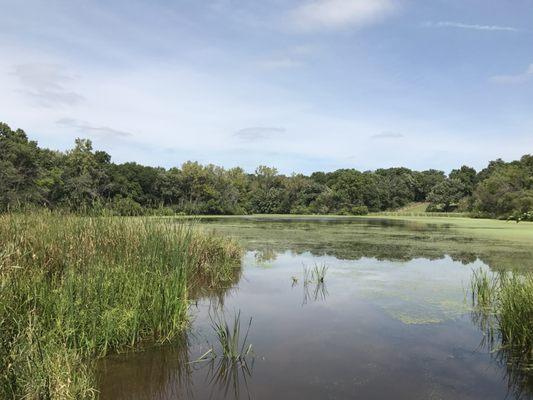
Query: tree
19,169
467,176
447,194
425,181
83,177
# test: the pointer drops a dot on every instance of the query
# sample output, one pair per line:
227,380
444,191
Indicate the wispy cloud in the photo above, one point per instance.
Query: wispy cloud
102,132
518,78
477,27
46,83
280,63
387,135
319,15
292,57
258,133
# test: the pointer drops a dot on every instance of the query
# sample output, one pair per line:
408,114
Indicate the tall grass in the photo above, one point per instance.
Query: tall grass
234,346
77,288
503,308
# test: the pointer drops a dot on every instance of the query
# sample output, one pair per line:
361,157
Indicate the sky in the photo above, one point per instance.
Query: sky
300,85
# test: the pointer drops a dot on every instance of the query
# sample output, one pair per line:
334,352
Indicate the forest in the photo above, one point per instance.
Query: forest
85,180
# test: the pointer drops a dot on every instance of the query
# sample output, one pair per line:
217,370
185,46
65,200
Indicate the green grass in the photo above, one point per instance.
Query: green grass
234,347
476,227
228,361
77,288
503,308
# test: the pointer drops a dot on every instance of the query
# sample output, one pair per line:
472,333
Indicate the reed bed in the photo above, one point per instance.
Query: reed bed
77,288
508,298
503,308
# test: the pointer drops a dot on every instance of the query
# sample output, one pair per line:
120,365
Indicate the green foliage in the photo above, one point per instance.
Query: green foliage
78,288
507,188
125,206
82,180
467,176
446,195
234,346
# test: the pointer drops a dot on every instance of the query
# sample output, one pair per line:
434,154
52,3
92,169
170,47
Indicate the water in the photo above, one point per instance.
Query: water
391,319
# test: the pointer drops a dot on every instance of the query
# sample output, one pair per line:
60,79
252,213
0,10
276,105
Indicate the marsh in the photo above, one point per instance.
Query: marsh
391,317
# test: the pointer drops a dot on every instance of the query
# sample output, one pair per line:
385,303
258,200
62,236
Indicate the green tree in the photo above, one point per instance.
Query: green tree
447,194
467,176
19,169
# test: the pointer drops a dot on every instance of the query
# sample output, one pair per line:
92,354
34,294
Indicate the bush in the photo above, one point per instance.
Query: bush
126,206
359,210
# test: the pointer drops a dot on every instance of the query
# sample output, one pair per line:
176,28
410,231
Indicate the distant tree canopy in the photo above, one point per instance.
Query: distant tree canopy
83,179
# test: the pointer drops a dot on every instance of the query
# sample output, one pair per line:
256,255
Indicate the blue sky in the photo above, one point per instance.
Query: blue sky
301,85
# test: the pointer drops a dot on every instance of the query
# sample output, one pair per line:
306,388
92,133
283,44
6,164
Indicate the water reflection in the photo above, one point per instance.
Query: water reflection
157,375
382,239
228,379
389,320
514,360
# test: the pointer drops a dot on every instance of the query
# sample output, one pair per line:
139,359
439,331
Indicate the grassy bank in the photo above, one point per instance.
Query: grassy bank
74,289
476,227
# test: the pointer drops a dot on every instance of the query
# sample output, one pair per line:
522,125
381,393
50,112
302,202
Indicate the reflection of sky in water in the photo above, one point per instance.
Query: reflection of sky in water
415,291
377,329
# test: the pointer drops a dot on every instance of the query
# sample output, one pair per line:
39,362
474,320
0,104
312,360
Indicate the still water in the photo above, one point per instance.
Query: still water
390,321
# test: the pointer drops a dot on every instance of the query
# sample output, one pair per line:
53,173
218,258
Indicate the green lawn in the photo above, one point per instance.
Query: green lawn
490,228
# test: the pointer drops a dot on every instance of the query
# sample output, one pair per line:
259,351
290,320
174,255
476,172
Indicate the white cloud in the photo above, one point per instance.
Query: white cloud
46,84
477,27
319,15
518,78
89,129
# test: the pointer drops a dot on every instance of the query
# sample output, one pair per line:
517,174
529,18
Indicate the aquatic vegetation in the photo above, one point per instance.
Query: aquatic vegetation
77,288
320,293
499,244
319,272
228,361
503,309
484,290
378,297
509,298
233,345
315,275
226,377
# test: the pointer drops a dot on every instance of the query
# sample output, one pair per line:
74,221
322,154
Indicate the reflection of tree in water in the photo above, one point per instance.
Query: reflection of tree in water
514,360
390,240
402,250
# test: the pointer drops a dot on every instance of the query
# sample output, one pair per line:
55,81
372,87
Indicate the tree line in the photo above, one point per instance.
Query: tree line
83,179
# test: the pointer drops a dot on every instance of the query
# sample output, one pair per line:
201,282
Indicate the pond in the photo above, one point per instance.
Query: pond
391,318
